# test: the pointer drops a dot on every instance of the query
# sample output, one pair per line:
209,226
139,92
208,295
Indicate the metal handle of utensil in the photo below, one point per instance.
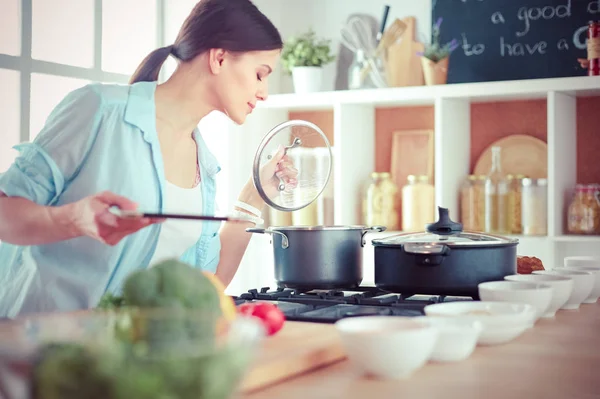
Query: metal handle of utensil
372,229
297,142
285,243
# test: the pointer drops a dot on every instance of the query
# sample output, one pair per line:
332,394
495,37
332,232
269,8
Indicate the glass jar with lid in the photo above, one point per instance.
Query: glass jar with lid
380,204
418,203
593,205
471,202
534,200
584,211
513,204
496,196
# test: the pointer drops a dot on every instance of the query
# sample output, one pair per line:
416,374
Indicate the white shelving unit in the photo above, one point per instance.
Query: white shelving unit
354,148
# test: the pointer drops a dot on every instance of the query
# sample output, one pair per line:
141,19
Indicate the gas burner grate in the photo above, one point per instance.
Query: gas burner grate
328,306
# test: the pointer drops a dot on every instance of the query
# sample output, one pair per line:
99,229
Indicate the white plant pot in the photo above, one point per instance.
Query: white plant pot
307,79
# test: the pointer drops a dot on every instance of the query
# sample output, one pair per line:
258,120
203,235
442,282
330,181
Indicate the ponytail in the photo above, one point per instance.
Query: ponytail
150,67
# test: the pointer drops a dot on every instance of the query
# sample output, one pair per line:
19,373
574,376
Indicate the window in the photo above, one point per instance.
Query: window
10,19
73,43
63,32
9,134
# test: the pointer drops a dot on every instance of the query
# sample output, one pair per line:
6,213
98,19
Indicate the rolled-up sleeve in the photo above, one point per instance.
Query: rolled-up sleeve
45,166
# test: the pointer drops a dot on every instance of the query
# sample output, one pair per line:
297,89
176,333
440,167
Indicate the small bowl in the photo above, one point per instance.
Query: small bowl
387,347
581,261
535,294
562,287
501,321
595,270
583,282
457,338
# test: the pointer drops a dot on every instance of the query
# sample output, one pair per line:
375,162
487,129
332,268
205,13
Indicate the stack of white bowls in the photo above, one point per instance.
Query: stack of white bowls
395,346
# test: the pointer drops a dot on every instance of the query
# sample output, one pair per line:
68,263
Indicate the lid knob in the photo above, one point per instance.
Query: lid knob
444,226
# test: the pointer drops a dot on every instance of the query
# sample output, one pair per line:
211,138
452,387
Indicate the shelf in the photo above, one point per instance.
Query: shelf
577,238
580,86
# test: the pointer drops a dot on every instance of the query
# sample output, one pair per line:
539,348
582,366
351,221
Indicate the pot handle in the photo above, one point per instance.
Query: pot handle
371,229
284,240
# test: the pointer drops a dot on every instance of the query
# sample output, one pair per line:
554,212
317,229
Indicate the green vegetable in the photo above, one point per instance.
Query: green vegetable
163,346
68,370
111,301
170,283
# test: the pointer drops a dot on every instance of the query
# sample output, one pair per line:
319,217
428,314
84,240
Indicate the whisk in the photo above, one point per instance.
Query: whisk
356,36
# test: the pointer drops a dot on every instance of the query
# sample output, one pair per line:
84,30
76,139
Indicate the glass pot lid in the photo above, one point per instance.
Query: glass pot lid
447,232
307,150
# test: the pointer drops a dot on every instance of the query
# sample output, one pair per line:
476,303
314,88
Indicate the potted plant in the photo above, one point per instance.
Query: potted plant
436,56
303,57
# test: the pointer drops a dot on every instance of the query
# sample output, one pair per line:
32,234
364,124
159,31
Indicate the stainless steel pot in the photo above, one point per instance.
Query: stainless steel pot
318,257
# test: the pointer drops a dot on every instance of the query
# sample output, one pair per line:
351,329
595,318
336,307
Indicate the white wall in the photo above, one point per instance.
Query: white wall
327,17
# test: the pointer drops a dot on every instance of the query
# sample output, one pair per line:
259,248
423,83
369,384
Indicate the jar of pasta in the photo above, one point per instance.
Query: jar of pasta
380,202
513,204
593,205
583,211
418,200
534,202
471,202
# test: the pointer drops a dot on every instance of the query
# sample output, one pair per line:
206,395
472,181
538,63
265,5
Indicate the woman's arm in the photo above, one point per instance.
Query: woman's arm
235,239
23,222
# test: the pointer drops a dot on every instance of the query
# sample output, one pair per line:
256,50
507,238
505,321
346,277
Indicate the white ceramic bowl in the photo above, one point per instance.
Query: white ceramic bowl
387,346
562,287
583,282
581,261
536,294
457,338
501,321
595,270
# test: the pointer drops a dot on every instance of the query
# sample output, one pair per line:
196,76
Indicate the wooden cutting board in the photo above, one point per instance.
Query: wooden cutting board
404,66
297,348
520,154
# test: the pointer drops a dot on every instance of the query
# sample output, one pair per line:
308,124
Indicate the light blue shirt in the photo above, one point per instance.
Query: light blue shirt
100,137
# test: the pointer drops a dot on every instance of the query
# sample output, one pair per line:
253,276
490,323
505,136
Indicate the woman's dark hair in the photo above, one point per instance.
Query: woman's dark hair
233,25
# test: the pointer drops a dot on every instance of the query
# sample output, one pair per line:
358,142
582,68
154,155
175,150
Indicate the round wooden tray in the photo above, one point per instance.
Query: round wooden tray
521,154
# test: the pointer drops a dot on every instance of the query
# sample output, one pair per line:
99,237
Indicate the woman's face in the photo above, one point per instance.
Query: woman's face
241,80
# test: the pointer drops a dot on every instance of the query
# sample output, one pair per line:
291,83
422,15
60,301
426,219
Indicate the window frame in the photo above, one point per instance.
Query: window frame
26,65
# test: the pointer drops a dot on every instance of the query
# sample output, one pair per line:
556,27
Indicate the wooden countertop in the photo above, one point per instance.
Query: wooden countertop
558,358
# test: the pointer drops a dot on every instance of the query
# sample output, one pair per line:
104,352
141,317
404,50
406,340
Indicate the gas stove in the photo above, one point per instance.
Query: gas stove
328,306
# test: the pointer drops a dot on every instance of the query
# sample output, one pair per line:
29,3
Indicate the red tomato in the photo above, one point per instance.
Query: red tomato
269,314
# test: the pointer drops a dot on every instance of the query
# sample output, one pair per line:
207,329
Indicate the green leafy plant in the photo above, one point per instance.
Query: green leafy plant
437,51
305,50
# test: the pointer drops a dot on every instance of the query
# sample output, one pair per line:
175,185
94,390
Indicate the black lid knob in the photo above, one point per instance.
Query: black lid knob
444,226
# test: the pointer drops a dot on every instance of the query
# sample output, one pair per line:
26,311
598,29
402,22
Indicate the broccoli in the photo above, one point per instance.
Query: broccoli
174,355
170,283
111,301
68,370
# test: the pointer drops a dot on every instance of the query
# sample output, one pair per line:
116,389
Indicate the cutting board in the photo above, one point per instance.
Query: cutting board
297,348
520,154
403,65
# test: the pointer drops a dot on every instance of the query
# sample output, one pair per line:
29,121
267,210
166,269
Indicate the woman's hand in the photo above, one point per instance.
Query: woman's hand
279,167
90,217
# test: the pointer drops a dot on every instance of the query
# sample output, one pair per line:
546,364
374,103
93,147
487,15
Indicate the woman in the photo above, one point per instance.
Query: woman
136,146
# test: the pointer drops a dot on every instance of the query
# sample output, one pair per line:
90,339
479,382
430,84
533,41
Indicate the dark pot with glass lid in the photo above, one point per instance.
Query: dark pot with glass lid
313,256
444,260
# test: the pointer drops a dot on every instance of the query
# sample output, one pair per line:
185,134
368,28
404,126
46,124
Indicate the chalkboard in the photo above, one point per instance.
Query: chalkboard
515,39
